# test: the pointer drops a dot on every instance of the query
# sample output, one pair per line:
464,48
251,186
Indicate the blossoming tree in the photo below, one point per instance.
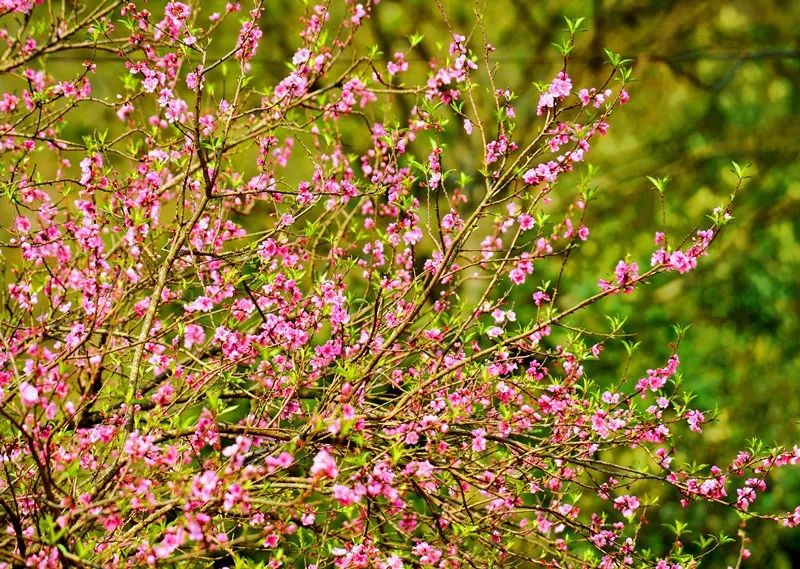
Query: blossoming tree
267,325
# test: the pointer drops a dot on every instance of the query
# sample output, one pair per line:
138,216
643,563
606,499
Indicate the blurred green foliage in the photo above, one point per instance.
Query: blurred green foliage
717,81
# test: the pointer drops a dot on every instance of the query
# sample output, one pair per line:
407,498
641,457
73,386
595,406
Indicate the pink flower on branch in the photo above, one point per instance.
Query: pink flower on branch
306,307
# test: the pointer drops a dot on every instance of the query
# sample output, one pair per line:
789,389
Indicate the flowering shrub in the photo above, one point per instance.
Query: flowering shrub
203,358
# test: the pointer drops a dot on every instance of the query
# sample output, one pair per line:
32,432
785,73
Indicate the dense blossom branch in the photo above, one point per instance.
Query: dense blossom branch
284,324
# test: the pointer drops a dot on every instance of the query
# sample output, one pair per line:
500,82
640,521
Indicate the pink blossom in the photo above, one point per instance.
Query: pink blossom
558,89
345,495
124,110
8,103
526,221
494,332
626,504
626,276
392,562
249,36
324,466
517,276
695,419
540,297
681,262
205,485
398,64
793,518
200,304
29,394
479,440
